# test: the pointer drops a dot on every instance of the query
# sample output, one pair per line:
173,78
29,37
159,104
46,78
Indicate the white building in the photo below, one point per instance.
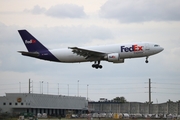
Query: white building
16,103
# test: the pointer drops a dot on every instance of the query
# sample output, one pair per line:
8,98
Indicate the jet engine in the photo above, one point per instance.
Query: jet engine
115,58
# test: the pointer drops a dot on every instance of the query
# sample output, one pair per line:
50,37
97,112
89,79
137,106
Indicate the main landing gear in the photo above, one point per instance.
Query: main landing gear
97,65
146,60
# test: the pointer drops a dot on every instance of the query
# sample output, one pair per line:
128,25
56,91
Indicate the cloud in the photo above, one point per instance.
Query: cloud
141,11
36,10
66,11
60,11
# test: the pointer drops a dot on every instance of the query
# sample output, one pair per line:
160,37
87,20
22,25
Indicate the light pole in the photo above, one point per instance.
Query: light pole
87,92
42,87
19,87
47,87
78,89
68,89
32,86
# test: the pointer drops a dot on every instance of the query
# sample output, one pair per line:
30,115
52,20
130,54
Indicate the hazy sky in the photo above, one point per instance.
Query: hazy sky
68,23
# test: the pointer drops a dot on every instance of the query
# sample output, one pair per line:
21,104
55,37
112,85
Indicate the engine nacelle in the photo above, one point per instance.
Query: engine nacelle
115,58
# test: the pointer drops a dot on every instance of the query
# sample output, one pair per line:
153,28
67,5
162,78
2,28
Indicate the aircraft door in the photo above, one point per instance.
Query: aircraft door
147,47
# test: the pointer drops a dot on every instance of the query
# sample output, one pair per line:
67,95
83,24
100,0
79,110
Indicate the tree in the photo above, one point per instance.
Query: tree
120,99
169,101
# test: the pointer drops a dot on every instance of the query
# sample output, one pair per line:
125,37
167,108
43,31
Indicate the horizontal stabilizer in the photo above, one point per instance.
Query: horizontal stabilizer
31,54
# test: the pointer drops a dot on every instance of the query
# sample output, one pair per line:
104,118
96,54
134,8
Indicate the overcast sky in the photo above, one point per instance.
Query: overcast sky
67,23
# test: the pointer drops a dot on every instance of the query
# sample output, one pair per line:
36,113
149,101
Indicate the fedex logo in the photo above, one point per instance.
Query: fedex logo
30,41
134,48
112,56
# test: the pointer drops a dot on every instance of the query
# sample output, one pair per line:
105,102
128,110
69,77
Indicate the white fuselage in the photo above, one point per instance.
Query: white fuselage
130,50
116,53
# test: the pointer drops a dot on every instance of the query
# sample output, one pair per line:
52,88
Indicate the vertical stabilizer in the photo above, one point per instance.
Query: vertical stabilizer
31,43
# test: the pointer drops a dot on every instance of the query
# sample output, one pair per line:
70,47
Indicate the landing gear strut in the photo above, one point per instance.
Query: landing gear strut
97,65
146,60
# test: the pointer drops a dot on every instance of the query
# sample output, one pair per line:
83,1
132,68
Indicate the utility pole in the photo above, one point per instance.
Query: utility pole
149,94
29,86
149,91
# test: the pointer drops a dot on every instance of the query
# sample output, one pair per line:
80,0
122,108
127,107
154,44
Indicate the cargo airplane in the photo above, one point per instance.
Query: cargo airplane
116,53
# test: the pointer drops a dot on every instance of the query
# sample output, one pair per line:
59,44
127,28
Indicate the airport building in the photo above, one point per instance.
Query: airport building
15,103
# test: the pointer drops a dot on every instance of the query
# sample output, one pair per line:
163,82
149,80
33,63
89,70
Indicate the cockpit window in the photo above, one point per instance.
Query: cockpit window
156,45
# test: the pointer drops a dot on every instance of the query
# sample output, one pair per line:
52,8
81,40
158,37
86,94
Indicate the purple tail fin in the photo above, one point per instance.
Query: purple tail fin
31,43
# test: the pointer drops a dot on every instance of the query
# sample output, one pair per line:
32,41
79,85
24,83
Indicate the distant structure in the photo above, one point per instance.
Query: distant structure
135,107
15,103
103,100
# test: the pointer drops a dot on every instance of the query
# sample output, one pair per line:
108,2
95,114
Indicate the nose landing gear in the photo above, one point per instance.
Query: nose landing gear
97,65
146,60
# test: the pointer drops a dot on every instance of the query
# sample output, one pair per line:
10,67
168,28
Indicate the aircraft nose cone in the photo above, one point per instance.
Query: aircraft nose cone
161,49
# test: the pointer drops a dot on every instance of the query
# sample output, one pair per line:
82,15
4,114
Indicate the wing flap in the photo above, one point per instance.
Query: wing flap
87,53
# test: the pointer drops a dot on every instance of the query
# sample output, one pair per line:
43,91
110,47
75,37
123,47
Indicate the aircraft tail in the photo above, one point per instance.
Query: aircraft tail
31,43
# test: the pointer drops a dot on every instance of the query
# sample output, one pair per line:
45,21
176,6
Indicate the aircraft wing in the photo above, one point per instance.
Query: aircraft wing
88,54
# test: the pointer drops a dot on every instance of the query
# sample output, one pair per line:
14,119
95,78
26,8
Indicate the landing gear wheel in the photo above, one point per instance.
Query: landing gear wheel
97,65
93,65
100,66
